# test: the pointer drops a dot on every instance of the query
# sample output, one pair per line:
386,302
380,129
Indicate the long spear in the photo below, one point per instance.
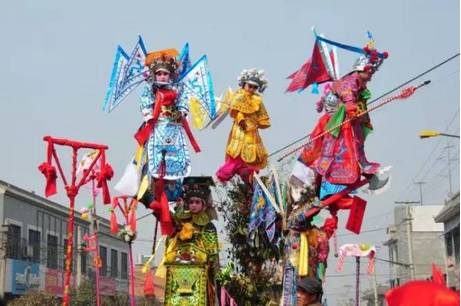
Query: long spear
404,94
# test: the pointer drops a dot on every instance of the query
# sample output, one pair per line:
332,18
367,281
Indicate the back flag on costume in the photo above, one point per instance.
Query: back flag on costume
314,70
127,73
196,87
184,60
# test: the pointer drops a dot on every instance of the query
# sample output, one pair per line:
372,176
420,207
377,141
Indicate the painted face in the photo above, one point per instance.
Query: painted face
195,205
162,76
251,88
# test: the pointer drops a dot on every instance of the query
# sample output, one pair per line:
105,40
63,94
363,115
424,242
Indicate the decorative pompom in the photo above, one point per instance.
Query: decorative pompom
385,54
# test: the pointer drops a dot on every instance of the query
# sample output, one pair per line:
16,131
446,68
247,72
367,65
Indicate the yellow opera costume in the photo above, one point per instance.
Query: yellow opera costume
245,152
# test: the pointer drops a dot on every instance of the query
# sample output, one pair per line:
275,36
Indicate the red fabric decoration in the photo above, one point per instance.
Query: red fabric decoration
354,222
49,171
344,203
330,225
113,217
313,71
149,284
113,223
422,293
437,276
102,177
143,132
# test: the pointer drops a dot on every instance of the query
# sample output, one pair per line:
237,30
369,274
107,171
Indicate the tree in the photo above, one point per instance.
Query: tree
255,278
35,298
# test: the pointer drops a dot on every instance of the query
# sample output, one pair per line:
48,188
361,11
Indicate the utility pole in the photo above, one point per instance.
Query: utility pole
410,243
375,288
420,183
449,168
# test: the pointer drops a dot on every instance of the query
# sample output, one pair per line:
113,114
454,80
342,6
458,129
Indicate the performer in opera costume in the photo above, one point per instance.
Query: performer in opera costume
172,87
191,256
164,116
306,246
245,152
338,156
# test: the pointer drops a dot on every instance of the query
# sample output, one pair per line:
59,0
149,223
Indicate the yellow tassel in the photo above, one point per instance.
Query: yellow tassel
138,156
143,187
303,267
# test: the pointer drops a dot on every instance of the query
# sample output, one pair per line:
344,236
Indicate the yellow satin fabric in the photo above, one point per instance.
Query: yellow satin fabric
303,268
247,143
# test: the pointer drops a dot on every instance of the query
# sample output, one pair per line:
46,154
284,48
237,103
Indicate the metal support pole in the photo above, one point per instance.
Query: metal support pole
357,281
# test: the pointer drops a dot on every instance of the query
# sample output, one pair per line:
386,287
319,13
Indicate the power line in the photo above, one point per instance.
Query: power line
417,177
381,96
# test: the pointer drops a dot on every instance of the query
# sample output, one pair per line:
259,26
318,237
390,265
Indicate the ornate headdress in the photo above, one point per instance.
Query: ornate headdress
198,186
253,76
370,61
163,60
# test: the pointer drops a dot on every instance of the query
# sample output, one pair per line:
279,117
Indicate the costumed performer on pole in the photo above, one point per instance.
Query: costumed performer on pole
339,155
245,152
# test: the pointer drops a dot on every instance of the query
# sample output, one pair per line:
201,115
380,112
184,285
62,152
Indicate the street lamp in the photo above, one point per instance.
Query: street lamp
428,133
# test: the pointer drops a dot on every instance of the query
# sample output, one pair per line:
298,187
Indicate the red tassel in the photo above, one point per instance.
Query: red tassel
149,284
113,217
113,223
102,177
132,218
48,170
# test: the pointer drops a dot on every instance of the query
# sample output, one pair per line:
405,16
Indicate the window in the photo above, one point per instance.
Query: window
124,271
52,251
113,263
34,243
103,255
14,241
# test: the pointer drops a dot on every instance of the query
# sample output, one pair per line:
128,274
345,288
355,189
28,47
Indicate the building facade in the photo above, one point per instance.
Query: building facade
33,237
415,243
449,216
